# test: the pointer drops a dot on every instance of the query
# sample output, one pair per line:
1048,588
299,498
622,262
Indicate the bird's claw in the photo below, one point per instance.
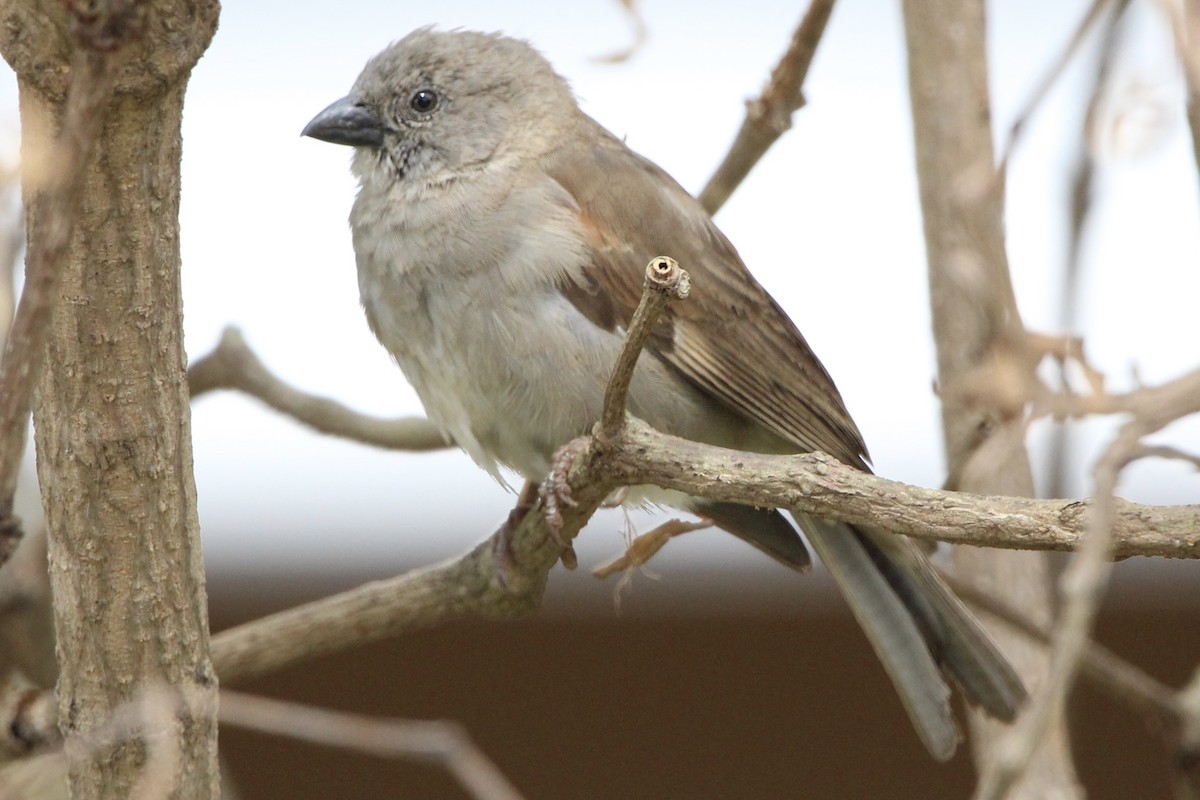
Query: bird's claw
555,491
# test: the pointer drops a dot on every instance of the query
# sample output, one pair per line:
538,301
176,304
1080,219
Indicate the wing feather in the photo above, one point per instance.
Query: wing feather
730,338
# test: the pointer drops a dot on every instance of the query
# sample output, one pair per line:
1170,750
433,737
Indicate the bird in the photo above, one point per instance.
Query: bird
501,236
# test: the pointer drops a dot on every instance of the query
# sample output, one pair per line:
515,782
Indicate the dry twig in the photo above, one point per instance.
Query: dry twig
1108,672
233,365
769,115
438,742
1052,75
1081,202
644,547
665,281
640,35
1185,28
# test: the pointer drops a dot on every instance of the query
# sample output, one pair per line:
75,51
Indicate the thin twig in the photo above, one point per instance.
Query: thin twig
233,365
1108,672
639,552
665,281
24,349
640,35
1146,399
1185,28
770,115
439,742
1081,202
1048,80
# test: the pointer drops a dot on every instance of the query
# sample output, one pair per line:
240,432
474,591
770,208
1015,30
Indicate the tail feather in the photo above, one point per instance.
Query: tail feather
960,643
765,528
917,627
892,631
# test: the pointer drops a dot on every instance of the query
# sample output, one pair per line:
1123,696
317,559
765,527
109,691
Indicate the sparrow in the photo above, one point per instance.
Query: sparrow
501,237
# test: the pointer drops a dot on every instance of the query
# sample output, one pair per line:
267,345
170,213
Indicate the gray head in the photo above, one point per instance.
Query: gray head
440,103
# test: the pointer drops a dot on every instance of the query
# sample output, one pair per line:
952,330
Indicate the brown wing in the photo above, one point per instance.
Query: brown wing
729,337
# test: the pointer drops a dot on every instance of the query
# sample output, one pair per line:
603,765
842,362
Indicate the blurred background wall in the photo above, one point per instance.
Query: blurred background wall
706,685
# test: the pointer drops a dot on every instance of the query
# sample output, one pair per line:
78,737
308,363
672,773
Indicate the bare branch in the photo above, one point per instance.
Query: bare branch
443,743
644,547
770,115
1081,202
12,241
1186,30
233,365
489,581
665,281
1048,80
1157,405
813,483
640,35
820,485
1108,672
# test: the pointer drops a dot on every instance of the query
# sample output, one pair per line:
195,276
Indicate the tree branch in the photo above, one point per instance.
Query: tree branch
1056,69
665,282
813,483
111,416
770,115
233,365
506,574
439,742
1185,28
985,360
1108,672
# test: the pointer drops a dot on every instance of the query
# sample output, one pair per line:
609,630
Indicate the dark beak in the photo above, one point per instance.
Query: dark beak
346,122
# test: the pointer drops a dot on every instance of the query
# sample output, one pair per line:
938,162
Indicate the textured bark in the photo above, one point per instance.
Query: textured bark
111,408
976,326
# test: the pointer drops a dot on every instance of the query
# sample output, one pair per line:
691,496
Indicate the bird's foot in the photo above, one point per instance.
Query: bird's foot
530,493
555,492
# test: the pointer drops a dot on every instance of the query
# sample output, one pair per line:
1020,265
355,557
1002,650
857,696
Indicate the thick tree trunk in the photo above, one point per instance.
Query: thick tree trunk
111,412
978,331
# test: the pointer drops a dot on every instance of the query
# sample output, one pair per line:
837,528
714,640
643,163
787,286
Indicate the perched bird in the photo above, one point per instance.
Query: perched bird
502,235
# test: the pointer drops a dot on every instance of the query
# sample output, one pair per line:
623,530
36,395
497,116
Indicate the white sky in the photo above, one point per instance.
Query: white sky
829,222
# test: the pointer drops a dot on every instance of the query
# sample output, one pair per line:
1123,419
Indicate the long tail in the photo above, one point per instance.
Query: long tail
917,627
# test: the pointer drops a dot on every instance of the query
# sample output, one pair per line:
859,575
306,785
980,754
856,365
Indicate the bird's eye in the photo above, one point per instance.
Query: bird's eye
424,101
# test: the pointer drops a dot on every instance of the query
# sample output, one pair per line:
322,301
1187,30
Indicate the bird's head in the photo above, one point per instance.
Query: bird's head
435,105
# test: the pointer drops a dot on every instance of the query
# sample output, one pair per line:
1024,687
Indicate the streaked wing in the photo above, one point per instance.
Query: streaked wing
729,337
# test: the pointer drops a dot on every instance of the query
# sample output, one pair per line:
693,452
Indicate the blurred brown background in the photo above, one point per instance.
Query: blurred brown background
705,685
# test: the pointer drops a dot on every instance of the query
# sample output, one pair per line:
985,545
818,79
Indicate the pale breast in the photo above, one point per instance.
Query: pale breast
462,290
